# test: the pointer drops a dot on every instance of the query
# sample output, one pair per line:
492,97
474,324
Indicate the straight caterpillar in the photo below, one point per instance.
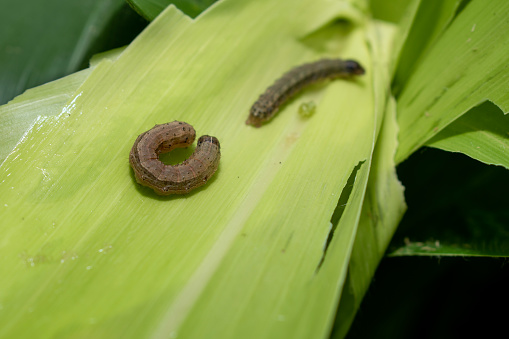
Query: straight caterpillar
179,179
294,81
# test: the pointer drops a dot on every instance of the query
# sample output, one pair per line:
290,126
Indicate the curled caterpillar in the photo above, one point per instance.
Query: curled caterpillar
294,81
179,179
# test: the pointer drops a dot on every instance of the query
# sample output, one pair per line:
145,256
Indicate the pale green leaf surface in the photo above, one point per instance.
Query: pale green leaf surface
19,114
320,288
90,253
482,133
40,102
112,55
466,66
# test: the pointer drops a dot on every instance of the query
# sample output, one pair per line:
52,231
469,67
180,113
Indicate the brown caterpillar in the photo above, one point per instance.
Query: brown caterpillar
179,179
294,81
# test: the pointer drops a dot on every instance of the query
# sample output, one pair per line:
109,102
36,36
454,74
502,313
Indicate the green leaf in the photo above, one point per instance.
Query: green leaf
149,9
93,254
391,11
482,133
466,66
430,20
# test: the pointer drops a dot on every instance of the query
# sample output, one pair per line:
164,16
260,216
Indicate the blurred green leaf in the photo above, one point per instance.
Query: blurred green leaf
45,40
391,11
432,17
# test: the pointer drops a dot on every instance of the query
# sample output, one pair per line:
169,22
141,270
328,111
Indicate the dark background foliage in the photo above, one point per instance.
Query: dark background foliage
54,38
455,200
428,297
